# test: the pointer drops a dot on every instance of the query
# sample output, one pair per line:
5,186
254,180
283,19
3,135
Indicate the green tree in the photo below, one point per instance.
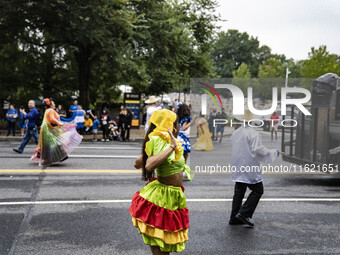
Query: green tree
320,62
174,42
271,68
232,48
86,29
90,47
241,77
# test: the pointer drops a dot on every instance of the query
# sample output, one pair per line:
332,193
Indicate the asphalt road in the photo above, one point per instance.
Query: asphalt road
80,206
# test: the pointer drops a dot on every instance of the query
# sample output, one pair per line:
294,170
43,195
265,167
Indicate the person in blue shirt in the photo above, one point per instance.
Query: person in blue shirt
74,107
96,123
32,130
22,121
12,117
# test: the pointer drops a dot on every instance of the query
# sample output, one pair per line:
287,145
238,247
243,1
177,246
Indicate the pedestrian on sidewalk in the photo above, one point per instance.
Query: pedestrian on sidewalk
32,129
79,119
274,124
95,126
122,123
88,124
105,118
152,105
220,127
61,111
159,209
12,117
121,119
247,153
212,117
128,122
22,120
73,108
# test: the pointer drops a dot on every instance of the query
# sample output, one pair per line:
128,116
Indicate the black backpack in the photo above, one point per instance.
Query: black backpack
39,119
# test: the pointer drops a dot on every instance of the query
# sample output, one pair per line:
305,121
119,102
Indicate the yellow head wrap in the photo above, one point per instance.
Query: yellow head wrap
163,119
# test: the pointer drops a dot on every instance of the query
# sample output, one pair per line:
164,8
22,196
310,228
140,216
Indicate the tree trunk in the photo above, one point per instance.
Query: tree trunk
83,59
48,66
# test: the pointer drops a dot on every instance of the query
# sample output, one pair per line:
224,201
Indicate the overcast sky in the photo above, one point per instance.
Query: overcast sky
289,27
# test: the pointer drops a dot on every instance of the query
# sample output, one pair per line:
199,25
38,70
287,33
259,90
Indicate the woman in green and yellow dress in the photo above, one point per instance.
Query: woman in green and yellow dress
159,210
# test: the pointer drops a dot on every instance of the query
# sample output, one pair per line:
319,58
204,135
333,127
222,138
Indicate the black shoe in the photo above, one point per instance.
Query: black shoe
245,220
235,221
17,151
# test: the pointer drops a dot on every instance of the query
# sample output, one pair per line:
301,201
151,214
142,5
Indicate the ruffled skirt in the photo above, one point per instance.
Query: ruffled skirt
55,144
185,143
159,212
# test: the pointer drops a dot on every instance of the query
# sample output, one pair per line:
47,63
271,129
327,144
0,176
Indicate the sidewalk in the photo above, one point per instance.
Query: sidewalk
136,135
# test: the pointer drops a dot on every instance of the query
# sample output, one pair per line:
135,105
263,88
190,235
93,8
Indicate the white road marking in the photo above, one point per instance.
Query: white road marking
102,156
108,148
188,200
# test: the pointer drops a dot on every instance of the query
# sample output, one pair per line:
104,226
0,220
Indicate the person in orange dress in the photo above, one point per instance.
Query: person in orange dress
56,139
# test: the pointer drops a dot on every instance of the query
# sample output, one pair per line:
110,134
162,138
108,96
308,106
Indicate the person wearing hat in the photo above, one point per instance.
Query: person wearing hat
152,103
247,153
159,209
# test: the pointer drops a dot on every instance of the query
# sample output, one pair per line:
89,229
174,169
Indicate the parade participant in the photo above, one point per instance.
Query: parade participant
247,153
274,124
152,103
56,140
204,142
183,113
32,129
12,117
159,209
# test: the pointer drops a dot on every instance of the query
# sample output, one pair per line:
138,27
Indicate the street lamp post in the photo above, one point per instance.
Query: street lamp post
287,73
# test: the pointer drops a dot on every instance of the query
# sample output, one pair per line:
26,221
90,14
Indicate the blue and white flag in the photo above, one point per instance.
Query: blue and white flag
77,118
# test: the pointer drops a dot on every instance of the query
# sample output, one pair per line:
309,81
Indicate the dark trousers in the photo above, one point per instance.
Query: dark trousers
32,132
122,132
105,129
127,133
248,208
212,131
80,131
11,127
